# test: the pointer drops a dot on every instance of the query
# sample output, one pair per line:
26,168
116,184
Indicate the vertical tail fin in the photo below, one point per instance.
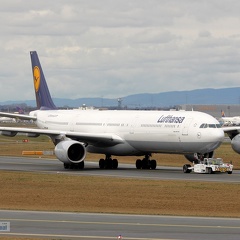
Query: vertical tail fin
20,110
43,97
222,113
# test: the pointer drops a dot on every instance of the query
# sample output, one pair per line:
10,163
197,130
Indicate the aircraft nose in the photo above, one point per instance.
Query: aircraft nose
218,136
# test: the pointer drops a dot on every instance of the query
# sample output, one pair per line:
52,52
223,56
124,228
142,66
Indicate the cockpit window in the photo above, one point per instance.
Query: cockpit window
205,125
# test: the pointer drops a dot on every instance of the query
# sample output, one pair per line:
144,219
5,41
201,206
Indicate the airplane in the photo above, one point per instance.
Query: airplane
8,118
231,128
117,132
229,121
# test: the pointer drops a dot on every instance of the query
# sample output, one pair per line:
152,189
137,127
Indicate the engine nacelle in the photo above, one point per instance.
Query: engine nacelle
70,151
197,156
236,143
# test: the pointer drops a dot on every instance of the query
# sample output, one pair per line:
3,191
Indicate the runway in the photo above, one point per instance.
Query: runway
110,226
61,225
51,166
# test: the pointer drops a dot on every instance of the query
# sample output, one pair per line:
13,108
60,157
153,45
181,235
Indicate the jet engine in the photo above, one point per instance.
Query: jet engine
197,156
236,143
70,151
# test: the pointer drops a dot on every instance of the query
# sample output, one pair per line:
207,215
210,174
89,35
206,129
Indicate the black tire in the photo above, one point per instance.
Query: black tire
139,164
153,164
115,163
185,168
209,170
66,165
229,172
81,165
108,163
101,163
75,166
145,164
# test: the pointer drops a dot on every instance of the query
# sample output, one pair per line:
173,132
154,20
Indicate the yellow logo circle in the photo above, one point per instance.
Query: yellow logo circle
36,78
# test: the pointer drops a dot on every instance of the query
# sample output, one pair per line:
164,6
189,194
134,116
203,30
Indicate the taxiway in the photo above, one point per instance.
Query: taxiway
63,225
53,166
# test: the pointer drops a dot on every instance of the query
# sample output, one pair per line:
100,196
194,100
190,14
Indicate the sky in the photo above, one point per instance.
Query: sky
115,48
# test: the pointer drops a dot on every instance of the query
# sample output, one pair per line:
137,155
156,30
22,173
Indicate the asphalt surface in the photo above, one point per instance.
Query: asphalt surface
125,170
57,225
110,226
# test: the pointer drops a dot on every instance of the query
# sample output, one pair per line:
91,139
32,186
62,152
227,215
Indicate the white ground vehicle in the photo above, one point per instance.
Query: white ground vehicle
209,165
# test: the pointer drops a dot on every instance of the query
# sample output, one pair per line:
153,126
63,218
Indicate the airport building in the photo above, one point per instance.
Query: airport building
214,110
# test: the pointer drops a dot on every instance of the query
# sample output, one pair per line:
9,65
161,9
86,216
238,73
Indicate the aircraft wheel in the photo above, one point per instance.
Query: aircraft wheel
81,165
145,164
108,163
139,164
75,166
114,163
153,164
229,172
101,163
66,165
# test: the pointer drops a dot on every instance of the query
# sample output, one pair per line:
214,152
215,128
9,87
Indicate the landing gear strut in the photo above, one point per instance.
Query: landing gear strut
108,163
146,163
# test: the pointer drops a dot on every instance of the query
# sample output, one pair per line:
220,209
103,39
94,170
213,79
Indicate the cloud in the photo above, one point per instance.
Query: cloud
116,48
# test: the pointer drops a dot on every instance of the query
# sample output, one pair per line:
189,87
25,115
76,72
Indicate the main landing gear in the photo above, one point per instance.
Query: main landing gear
108,163
74,165
146,163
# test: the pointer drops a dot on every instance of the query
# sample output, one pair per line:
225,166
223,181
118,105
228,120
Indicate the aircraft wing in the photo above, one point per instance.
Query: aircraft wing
88,138
231,131
18,116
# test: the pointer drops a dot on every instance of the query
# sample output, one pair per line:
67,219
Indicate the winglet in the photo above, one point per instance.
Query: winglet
43,98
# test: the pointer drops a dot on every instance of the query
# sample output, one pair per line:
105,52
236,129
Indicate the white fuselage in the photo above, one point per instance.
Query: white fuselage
142,131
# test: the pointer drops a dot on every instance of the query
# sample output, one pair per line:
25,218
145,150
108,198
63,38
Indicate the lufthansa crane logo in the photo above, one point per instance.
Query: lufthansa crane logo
36,78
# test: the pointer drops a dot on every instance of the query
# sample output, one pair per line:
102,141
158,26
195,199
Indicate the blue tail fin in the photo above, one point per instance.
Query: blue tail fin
20,110
43,97
222,113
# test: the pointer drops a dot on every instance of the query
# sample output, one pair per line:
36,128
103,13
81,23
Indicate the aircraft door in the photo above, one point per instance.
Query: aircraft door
72,124
186,126
134,124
